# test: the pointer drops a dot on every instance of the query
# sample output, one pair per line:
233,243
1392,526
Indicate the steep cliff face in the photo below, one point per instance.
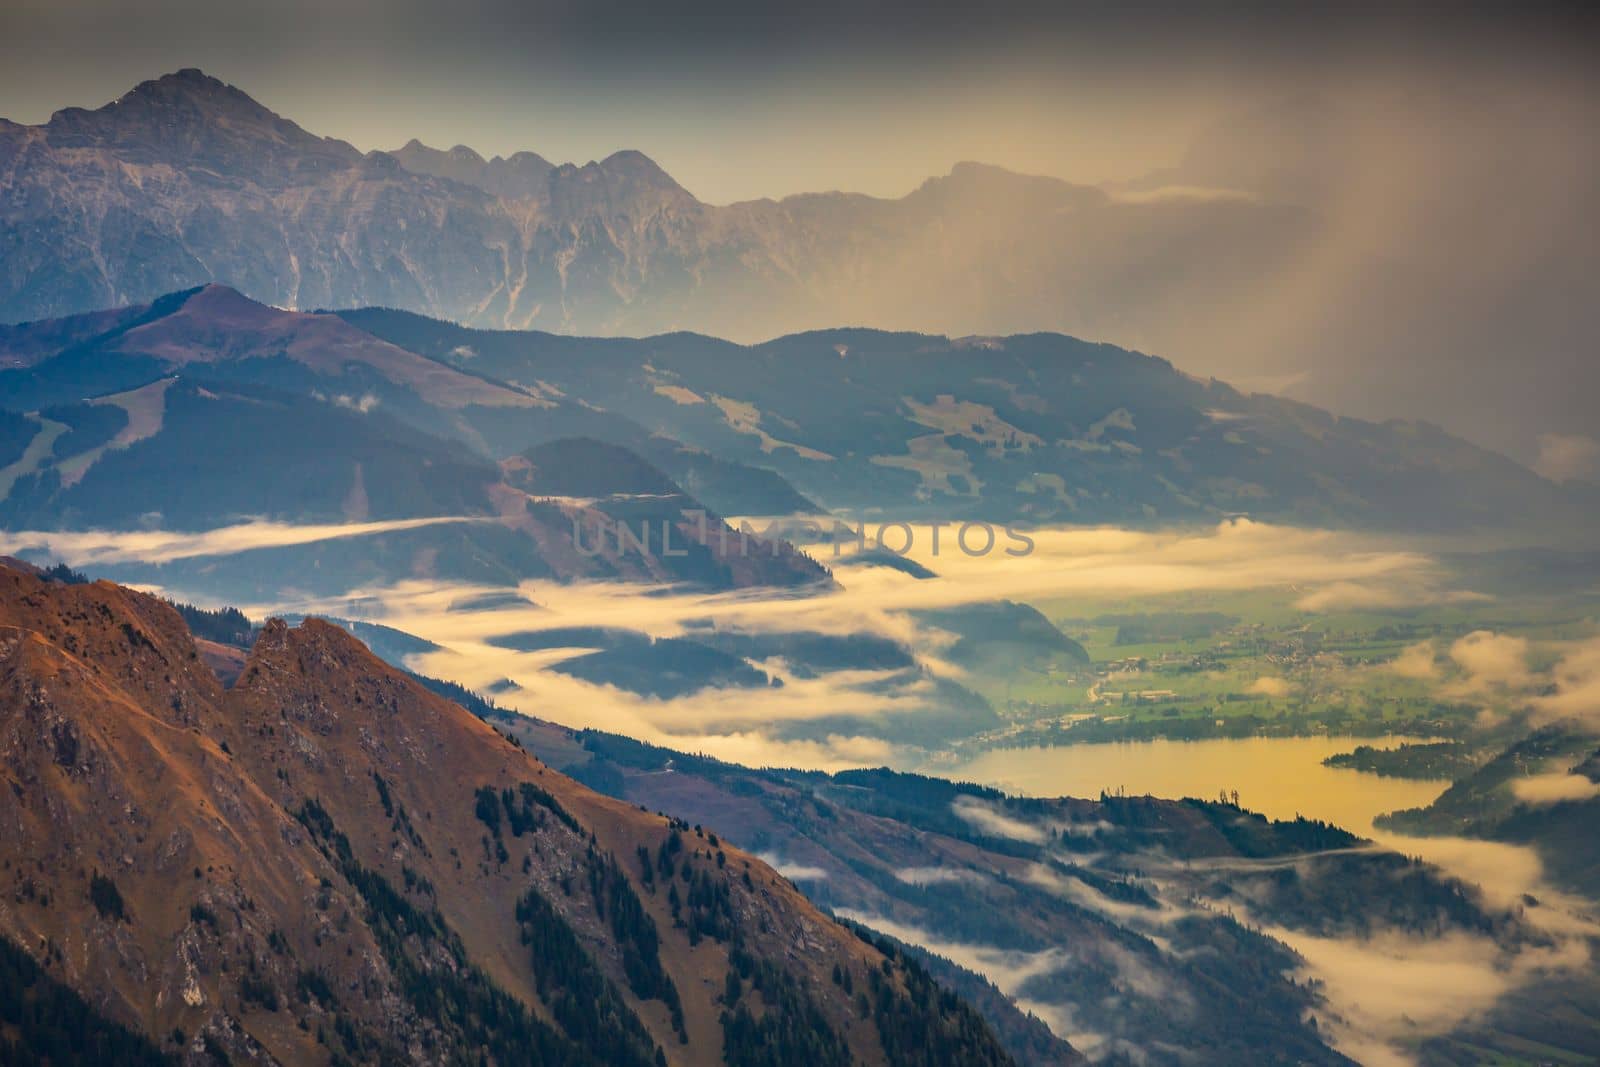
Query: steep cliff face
327,862
185,180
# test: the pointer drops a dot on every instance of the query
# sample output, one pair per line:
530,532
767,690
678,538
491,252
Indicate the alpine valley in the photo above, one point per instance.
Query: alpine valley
488,611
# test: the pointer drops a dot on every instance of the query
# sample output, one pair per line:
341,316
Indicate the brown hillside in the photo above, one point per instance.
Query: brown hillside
328,863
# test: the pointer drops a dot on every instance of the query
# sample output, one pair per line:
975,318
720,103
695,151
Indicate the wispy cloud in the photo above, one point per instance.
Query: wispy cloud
990,820
1391,593
1567,457
1120,911
923,876
795,872
364,403
88,548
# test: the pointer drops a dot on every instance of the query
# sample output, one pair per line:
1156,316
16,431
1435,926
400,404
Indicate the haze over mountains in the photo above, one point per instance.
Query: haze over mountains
610,598
186,180
1240,260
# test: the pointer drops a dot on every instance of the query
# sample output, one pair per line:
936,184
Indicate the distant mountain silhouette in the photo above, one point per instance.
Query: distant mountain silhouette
185,180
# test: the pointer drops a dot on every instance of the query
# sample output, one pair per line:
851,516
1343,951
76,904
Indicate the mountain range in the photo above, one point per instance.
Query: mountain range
186,180
1281,251
204,408
1035,428
194,214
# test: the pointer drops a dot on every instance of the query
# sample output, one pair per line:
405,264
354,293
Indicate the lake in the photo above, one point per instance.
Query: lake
1280,777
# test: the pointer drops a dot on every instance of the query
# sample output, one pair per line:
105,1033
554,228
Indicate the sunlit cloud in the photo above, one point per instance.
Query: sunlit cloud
1418,661
1270,687
766,727
1490,664
1544,789
1576,687
89,548
1386,991
1499,671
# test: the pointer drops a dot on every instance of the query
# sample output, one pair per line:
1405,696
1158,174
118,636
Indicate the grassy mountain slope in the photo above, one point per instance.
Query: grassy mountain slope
205,409
1034,427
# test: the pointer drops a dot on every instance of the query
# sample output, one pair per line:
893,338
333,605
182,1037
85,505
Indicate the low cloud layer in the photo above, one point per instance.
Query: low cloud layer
1491,663
1386,991
1009,970
926,876
1502,673
1418,661
1575,687
1373,985
743,725
1544,789
90,548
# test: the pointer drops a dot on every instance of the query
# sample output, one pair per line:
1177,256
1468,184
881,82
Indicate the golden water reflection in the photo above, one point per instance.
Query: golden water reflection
1280,777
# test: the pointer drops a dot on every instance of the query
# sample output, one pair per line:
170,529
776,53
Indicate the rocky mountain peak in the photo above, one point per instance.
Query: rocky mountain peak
522,176
190,91
195,83
202,120
624,183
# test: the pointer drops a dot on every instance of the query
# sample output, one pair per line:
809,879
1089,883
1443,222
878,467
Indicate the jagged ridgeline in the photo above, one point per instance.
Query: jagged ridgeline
328,863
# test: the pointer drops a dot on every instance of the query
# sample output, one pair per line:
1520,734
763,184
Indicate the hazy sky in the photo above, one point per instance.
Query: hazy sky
741,100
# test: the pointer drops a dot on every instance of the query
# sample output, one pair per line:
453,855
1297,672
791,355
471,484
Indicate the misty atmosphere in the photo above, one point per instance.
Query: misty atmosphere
706,535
